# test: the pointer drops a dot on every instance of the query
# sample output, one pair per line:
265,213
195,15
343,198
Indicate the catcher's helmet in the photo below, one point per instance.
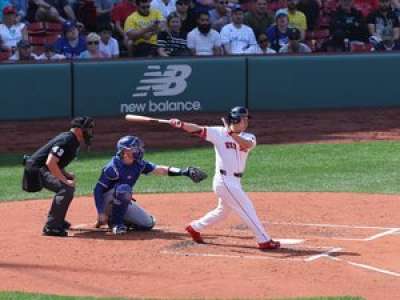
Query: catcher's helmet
132,143
87,125
237,113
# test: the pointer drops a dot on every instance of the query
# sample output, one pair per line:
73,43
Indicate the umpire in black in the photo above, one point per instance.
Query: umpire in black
45,168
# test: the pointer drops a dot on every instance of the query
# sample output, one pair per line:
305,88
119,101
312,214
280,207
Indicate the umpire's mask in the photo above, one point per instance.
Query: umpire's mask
87,126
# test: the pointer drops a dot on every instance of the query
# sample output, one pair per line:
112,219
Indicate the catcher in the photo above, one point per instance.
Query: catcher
113,192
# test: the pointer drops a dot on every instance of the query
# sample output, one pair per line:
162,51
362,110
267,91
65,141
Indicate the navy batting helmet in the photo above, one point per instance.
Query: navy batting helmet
132,143
237,113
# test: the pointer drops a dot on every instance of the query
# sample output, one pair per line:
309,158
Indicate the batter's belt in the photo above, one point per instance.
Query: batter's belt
223,172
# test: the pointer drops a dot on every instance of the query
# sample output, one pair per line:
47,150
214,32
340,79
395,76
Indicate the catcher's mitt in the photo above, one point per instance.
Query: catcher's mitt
195,174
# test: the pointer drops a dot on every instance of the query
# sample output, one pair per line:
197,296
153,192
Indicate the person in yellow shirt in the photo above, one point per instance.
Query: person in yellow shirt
141,29
297,18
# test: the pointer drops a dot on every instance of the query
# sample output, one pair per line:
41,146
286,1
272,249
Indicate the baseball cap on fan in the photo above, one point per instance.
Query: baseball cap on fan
281,12
9,10
69,25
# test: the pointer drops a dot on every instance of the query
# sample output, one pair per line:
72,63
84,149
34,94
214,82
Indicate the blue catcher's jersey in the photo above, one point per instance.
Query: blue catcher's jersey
116,172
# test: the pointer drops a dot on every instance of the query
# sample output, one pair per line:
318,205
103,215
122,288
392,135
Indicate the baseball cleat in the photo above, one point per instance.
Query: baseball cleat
119,229
54,231
270,245
195,235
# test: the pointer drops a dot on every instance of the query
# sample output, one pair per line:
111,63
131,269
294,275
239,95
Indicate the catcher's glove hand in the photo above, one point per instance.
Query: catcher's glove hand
195,174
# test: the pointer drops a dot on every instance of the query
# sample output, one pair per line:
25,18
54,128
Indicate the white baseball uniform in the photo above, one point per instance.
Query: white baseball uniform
230,160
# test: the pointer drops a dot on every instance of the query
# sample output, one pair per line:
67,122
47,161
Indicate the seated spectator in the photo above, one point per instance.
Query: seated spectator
258,18
93,47
297,18
21,7
70,44
103,12
220,15
185,12
380,19
50,54
164,6
388,42
50,11
236,37
108,45
348,23
396,8
142,28
203,40
11,32
172,42
277,33
262,46
120,12
23,52
311,9
294,45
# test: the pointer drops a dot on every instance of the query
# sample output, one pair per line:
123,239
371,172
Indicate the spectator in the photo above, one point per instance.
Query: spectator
3,4
23,52
120,12
142,28
172,42
93,47
203,40
388,42
220,15
297,18
21,7
380,19
348,23
277,33
258,19
11,32
50,54
311,9
50,11
108,45
103,12
236,37
294,45
70,44
185,12
164,6
262,46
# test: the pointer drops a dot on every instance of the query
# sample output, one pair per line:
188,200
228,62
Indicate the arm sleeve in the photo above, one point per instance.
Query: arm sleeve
58,149
148,167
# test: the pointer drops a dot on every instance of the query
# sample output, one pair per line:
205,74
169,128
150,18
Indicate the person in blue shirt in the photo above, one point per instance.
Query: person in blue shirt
71,44
114,189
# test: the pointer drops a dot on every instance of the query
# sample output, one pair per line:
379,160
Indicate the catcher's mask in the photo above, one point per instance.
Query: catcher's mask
132,143
237,113
87,126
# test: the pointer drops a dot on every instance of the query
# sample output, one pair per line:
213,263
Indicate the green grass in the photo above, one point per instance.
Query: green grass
28,296
359,167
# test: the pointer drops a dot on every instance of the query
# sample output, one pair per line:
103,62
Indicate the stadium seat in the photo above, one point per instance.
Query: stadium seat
317,34
37,28
51,39
4,56
53,27
37,40
360,47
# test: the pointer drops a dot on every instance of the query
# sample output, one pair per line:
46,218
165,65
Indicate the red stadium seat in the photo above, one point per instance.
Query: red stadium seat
37,40
37,28
51,39
4,56
360,47
317,34
53,27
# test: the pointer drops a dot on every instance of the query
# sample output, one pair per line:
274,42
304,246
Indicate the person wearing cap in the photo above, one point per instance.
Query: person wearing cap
93,47
258,18
23,52
50,53
380,19
236,37
166,7
388,42
108,45
70,44
185,12
278,33
11,31
297,18
46,169
294,45
220,15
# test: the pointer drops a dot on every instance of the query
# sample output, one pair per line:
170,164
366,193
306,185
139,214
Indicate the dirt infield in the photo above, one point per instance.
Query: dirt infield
339,244
333,243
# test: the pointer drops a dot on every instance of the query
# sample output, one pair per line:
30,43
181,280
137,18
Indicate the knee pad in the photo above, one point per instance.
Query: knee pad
123,194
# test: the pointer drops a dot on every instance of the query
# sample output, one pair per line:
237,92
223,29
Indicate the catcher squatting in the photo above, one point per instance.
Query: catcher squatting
114,189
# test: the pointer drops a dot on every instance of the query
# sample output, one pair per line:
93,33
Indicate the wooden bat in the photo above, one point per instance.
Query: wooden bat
144,119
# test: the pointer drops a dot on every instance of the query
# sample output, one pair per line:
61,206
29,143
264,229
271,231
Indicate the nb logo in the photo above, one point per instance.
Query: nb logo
171,82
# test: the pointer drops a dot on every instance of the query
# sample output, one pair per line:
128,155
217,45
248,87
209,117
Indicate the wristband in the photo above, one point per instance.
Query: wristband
172,171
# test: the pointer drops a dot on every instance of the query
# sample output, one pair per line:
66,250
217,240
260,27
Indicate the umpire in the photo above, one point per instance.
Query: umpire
45,168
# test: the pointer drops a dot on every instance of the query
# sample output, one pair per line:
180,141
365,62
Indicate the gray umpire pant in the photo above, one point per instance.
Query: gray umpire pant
61,200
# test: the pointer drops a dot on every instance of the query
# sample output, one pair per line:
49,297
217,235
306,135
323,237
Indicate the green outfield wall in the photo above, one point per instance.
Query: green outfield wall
113,88
33,91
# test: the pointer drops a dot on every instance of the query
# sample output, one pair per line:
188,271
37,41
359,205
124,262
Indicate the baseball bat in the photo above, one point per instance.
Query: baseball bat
144,119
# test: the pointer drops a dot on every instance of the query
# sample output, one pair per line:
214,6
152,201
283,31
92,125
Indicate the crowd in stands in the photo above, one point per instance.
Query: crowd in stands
96,29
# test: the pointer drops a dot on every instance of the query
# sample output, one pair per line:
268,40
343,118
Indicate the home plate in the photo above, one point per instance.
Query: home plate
290,241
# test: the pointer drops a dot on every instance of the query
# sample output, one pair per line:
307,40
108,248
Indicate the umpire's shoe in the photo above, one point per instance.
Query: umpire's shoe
270,245
54,231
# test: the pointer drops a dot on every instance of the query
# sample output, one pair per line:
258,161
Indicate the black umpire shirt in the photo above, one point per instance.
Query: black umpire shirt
65,146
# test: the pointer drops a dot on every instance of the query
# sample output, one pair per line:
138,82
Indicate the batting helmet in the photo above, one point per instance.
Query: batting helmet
237,113
87,126
132,143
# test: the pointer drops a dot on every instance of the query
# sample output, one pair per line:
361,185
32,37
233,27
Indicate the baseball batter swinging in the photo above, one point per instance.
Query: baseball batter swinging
232,146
